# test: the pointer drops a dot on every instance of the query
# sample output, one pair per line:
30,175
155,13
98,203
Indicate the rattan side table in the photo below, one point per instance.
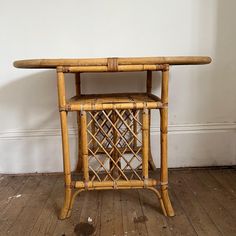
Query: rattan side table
114,129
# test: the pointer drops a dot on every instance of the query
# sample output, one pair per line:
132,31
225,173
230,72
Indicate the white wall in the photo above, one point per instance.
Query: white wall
202,98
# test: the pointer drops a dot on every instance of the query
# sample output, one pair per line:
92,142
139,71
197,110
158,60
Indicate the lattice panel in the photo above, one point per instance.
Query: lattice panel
115,145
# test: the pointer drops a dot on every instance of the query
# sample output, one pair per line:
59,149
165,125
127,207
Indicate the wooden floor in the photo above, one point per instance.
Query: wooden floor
204,202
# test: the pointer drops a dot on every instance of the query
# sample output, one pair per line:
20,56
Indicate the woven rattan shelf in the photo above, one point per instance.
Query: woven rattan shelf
114,129
113,101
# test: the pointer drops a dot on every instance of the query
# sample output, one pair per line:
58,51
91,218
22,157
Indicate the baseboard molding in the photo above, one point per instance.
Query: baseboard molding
199,128
178,129
29,151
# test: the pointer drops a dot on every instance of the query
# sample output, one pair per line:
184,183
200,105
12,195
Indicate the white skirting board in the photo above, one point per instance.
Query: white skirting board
29,151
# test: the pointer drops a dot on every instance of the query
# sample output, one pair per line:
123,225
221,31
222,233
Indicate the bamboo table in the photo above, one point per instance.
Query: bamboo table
114,129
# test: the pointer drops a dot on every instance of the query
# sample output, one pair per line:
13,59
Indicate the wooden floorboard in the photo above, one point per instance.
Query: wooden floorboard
204,203
156,222
196,214
49,212
227,180
12,201
215,208
180,223
106,226
67,227
35,202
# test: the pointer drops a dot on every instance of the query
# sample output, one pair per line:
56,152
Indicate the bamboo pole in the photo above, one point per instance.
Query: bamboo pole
115,154
145,143
65,146
119,68
164,131
164,86
84,144
61,88
150,158
153,189
149,91
66,208
164,170
113,106
116,184
135,128
93,130
78,93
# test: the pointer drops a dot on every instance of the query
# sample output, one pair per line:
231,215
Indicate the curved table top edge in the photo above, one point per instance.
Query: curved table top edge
53,63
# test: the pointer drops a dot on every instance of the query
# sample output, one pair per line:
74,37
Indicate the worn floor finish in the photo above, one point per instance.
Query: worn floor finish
204,202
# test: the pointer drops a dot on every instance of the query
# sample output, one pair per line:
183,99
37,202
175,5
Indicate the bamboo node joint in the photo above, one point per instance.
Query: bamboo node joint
59,69
164,183
86,185
114,184
112,64
145,182
166,67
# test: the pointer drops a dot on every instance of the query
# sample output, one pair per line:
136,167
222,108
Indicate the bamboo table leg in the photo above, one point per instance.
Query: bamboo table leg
164,165
149,91
164,130
150,158
65,211
78,93
84,145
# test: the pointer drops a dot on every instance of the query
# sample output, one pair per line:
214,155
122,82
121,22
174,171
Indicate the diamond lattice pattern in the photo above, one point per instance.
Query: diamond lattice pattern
115,145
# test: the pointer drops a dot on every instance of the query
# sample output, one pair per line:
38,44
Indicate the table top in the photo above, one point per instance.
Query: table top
53,63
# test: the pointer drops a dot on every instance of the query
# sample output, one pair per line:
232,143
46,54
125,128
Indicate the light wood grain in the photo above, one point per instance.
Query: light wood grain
53,63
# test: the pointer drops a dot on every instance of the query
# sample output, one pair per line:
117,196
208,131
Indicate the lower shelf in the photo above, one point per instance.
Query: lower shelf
114,101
